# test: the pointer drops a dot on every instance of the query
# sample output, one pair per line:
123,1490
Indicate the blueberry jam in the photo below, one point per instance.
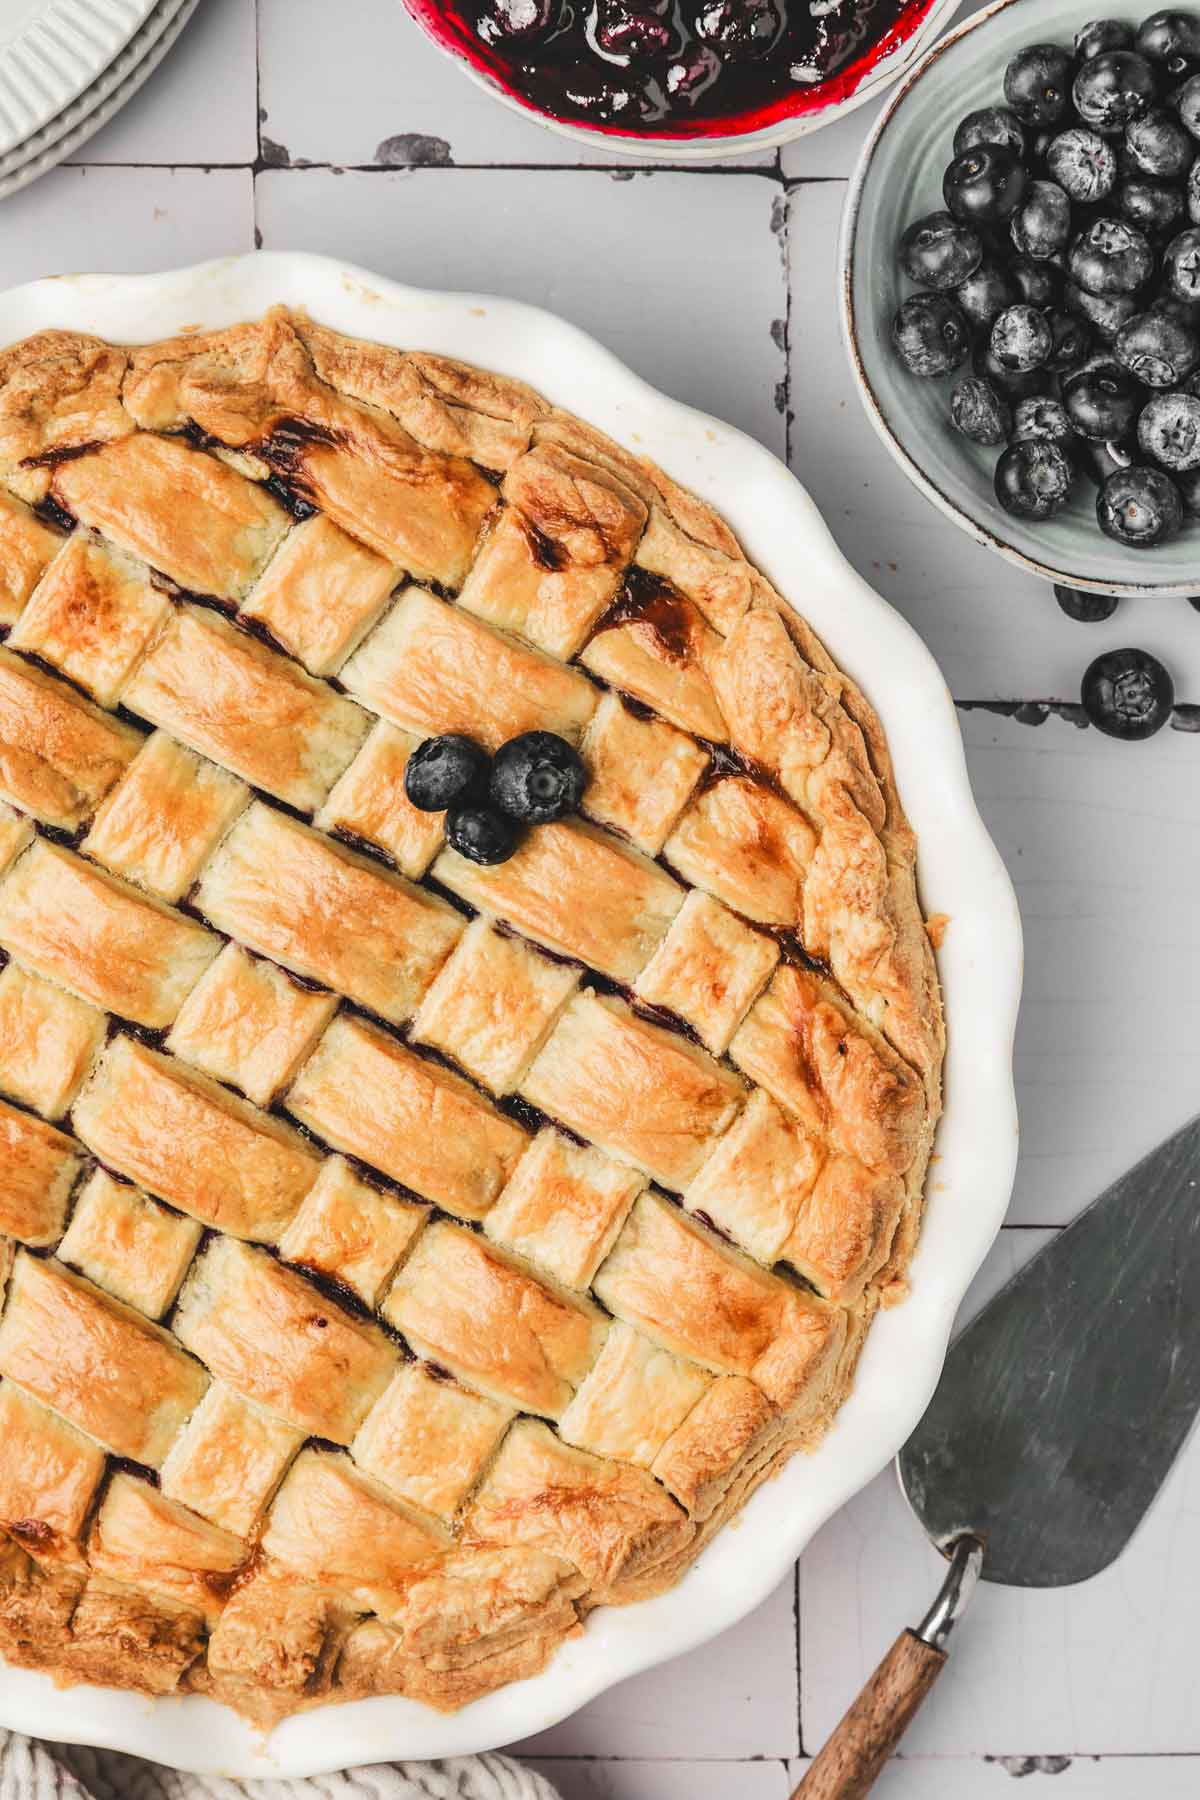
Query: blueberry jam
673,68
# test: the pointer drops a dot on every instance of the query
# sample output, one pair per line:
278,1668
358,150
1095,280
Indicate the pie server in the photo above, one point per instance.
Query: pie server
1059,1414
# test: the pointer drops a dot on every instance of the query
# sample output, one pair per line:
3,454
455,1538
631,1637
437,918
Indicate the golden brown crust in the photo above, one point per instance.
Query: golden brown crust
93,615
611,1521
59,390
487,1318
38,1166
26,549
193,1143
96,1362
422,1125
772,1054
277,1340
59,755
99,937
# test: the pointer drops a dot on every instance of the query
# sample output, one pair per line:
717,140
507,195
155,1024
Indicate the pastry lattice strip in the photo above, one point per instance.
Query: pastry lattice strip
429,1559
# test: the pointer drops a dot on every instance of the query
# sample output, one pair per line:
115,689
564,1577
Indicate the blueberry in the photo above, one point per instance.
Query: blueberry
1021,338
1041,224
939,252
626,34
1101,400
984,295
984,185
1188,483
537,777
739,30
1104,313
1193,192
1070,341
1186,311
446,771
1099,35
1038,283
930,335
1037,84
1169,431
1159,350
1099,460
1158,145
1112,88
1110,257
1033,478
481,834
1042,417
516,21
1151,207
599,96
980,412
1167,35
1173,94
1083,164
691,74
1017,384
1181,265
991,125
1187,105
1140,508
1127,693
1088,609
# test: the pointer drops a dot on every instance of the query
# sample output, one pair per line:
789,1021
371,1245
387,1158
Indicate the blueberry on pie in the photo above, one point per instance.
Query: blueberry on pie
402,1250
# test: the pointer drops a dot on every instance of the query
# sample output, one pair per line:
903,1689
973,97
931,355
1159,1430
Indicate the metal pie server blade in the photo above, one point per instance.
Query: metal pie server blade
1061,1410
1064,1404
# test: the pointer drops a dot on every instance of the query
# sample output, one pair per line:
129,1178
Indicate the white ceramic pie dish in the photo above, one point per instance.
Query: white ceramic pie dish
980,964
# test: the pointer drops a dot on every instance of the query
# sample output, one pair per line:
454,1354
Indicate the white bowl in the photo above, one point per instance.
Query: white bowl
899,178
961,875
721,146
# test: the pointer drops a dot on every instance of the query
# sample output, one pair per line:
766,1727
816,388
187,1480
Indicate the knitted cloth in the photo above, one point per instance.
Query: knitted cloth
34,1771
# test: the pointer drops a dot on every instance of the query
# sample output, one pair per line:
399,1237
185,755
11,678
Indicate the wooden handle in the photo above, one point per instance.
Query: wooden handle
848,1766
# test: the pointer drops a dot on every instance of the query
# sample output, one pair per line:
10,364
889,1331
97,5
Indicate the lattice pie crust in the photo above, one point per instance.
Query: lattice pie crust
399,1256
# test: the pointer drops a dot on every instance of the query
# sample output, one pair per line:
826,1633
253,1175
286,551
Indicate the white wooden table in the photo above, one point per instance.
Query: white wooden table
310,125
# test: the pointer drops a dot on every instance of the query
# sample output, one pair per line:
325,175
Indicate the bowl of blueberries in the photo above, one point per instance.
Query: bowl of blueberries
1021,288
689,80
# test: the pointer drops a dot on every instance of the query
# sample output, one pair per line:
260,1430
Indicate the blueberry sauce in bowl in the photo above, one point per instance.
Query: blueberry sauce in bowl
672,70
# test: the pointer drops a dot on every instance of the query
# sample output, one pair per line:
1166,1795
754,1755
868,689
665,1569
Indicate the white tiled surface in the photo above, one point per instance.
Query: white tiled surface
719,286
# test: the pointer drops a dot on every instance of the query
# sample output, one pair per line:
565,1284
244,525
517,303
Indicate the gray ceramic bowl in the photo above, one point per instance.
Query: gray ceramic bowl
899,177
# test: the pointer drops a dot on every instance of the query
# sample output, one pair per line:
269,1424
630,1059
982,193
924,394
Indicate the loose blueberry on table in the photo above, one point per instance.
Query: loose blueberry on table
672,68
1127,694
1066,266
1087,609
533,779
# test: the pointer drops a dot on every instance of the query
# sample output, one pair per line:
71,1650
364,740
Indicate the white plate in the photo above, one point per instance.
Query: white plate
140,44
103,101
980,961
51,50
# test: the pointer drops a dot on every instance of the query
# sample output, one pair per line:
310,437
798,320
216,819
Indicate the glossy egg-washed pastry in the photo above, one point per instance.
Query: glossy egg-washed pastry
401,1256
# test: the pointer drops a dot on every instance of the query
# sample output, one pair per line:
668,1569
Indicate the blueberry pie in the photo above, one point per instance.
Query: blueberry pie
403,1252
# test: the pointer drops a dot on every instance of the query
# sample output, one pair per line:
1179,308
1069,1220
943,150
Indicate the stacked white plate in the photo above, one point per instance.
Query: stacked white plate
67,67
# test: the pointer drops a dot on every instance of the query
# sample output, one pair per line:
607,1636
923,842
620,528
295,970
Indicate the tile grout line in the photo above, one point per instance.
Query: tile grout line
256,230
923,1758
303,165
783,202
796,1602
